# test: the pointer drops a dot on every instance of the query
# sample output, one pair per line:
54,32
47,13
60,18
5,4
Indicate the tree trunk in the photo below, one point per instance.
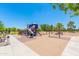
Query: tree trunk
46,32
59,33
49,33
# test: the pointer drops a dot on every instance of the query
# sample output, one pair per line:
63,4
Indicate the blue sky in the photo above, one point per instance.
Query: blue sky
19,15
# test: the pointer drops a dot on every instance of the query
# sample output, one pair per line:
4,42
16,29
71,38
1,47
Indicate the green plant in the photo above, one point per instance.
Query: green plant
71,26
59,27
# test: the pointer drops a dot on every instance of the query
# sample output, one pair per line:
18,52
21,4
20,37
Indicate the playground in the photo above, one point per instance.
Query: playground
39,29
48,45
34,43
45,45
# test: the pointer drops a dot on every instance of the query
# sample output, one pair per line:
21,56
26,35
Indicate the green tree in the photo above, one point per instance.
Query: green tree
59,27
2,27
13,29
71,26
50,29
46,27
43,27
66,7
54,28
8,30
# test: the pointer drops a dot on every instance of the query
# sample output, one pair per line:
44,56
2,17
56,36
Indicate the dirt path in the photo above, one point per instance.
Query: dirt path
46,46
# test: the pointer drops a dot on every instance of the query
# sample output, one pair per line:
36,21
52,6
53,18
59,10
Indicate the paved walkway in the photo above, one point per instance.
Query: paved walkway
16,48
72,48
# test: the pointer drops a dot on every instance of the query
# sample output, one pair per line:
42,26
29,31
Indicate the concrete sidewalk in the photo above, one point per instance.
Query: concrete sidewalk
16,48
72,48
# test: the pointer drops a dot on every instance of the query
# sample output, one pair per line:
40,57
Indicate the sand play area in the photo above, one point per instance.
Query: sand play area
48,46
20,45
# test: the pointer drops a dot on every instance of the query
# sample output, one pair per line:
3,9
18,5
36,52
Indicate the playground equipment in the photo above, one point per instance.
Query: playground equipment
4,41
32,30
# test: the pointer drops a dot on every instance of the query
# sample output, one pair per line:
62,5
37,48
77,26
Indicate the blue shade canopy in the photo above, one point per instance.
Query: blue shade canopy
30,25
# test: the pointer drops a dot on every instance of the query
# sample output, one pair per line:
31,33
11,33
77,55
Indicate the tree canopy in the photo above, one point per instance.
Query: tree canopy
66,7
46,27
71,25
1,26
59,26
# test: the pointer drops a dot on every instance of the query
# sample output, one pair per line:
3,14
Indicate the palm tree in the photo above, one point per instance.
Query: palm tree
50,29
71,26
59,27
47,28
44,27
